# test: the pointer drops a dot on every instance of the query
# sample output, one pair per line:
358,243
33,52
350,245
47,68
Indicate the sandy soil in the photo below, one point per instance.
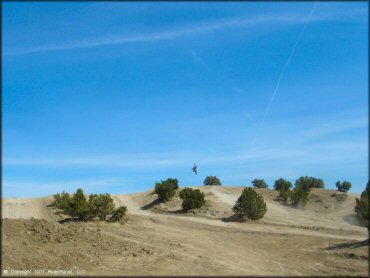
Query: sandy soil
158,239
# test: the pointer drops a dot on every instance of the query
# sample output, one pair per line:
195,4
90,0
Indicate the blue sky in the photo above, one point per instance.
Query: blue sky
113,97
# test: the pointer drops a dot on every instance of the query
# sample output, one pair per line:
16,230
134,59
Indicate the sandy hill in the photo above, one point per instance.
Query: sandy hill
325,238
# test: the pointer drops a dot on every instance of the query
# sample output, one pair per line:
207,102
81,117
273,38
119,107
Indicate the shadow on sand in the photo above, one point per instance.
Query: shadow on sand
157,202
67,220
233,218
352,219
281,202
151,204
350,245
178,211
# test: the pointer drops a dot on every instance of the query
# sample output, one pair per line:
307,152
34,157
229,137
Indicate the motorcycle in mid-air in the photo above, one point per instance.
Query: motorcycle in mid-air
195,169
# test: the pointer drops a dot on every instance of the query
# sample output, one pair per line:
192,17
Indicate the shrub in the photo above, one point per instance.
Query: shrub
166,189
118,214
309,182
191,198
75,205
343,186
212,180
299,196
284,194
78,206
362,207
250,204
62,201
174,182
259,183
284,188
282,184
93,207
100,205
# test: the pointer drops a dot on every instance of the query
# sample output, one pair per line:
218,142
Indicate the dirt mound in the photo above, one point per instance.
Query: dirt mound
325,208
214,208
44,231
40,244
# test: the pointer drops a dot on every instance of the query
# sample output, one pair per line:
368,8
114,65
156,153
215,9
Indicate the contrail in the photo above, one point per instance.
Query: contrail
283,72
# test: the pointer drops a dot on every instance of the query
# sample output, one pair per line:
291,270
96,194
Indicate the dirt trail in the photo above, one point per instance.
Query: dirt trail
229,199
158,240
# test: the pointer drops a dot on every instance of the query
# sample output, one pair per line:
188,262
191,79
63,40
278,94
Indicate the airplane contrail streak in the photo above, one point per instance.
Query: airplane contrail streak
283,72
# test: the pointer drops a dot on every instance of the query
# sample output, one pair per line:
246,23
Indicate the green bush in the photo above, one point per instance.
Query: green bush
118,214
166,189
284,194
259,183
343,186
100,206
282,184
62,201
192,198
299,196
362,207
93,207
309,182
284,188
77,205
174,182
250,205
212,180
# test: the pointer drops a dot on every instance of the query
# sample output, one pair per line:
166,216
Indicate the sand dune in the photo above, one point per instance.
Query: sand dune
323,239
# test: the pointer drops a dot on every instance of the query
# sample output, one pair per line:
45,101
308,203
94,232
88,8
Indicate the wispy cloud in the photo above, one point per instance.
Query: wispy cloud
328,128
159,160
308,129
40,188
98,161
188,30
313,136
88,183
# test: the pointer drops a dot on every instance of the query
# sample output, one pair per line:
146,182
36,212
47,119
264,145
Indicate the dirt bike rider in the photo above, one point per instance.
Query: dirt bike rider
195,169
